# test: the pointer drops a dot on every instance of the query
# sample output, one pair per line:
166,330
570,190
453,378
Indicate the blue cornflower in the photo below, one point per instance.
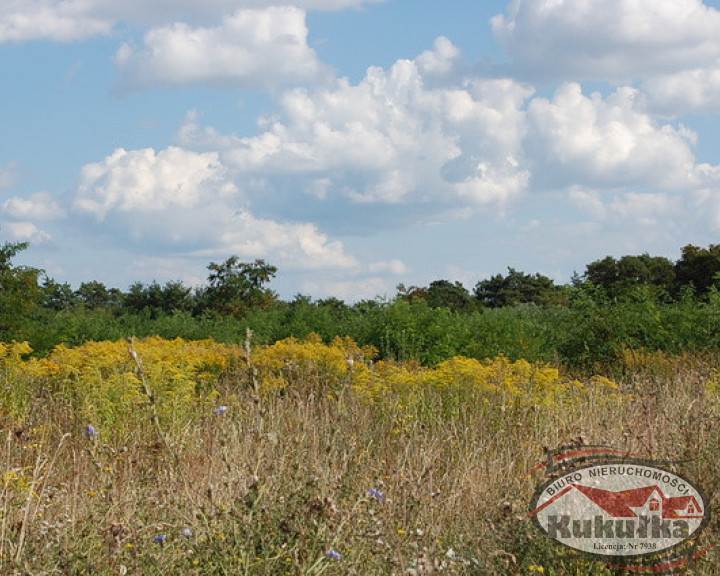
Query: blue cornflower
221,410
333,554
375,493
90,431
160,538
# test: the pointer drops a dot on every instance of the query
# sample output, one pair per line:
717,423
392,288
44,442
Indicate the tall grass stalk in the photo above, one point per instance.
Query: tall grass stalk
318,478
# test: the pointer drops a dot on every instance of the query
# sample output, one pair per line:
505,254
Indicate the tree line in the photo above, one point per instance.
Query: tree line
637,301
696,273
236,288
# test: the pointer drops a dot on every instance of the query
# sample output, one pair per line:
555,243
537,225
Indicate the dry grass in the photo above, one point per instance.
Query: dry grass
279,480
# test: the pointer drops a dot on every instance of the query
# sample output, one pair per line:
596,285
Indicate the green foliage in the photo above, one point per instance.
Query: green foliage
58,296
20,294
634,302
94,295
523,331
620,278
517,288
157,299
440,294
699,268
452,295
237,287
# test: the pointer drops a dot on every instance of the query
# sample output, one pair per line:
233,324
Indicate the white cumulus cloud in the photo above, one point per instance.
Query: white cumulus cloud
293,245
646,209
692,91
250,49
62,21
39,206
395,267
72,20
390,138
25,232
612,141
140,181
609,40
180,202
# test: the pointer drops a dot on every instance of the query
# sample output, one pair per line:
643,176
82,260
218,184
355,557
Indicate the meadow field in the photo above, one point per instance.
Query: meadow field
169,456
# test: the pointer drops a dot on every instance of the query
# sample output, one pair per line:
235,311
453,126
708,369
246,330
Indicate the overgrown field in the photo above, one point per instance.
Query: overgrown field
164,457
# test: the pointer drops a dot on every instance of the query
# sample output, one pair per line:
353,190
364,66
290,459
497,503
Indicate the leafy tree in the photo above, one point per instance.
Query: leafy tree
58,296
93,295
452,295
439,294
174,296
410,293
20,293
332,303
237,287
699,268
517,288
621,278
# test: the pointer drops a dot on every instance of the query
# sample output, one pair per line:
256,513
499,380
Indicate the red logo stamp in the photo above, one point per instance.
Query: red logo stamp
617,506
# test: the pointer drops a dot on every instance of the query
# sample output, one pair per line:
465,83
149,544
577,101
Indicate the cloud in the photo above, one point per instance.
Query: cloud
574,138
364,288
389,139
641,209
692,91
180,202
294,245
8,176
25,232
61,21
257,49
40,206
394,267
142,181
616,40
442,59
706,202
202,11
72,20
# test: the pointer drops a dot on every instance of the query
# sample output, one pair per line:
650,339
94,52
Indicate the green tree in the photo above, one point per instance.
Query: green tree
452,295
171,297
94,295
518,288
620,279
20,293
410,293
698,268
58,296
237,287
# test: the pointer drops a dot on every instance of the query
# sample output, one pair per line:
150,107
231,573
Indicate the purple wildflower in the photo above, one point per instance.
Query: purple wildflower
333,554
376,494
221,410
160,538
90,431
187,532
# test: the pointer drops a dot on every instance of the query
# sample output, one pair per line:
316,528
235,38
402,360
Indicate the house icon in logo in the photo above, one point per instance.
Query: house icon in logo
645,501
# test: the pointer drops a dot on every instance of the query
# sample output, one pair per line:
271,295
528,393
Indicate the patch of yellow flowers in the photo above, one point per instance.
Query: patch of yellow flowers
101,382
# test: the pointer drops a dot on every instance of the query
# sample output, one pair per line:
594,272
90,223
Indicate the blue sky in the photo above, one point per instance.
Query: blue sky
356,144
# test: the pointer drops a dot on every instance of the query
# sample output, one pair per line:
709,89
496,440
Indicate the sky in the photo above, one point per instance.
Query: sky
356,144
